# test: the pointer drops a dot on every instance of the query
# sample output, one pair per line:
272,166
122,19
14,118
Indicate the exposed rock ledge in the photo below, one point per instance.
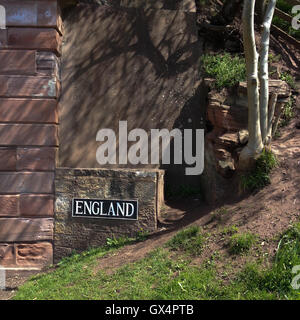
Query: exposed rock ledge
227,115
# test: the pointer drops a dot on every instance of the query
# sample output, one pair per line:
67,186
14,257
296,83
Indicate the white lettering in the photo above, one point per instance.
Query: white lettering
138,153
111,210
188,151
121,209
140,147
77,207
165,135
88,207
93,208
123,142
127,209
108,147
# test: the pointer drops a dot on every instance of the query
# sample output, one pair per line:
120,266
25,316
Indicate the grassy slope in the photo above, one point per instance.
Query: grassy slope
245,251
167,273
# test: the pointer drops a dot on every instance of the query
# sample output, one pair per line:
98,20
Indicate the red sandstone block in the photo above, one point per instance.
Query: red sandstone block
8,159
34,38
7,256
17,62
34,254
47,64
32,13
25,229
27,182
36,159
20,13
28,86
9,205
3,38
36,205
28,135
25,110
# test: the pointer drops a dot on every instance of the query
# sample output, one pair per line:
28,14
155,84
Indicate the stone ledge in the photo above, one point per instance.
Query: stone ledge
180,5
104,172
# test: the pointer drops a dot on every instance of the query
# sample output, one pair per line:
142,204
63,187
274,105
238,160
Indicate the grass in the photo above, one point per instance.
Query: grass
284,6
259,177
219,215
289,79
226,69
161,275
287,113
241,242
230,230
122,241
279,277
274,58
189,240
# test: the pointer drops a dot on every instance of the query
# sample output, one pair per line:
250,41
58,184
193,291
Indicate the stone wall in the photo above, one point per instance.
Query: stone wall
137,65
82,233
29,90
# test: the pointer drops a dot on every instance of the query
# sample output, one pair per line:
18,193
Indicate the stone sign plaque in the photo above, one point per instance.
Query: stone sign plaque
105,209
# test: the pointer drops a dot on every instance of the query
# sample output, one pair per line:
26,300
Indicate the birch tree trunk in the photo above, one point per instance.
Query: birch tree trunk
255,145
264,69
261,9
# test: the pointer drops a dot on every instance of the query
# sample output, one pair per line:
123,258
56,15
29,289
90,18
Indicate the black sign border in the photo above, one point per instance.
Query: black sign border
105,217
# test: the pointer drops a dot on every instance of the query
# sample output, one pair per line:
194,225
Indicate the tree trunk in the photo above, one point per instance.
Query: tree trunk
264,69
261,6
254,146
272,106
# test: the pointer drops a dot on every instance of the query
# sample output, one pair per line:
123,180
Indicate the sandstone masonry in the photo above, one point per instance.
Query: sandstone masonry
82,233
30,48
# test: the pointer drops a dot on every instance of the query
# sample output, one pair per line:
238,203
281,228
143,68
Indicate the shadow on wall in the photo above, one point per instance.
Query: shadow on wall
129,64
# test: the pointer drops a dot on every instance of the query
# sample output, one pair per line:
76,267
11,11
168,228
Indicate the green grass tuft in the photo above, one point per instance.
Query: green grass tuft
241,242
219,214
288,78
189,240
259,177
226,69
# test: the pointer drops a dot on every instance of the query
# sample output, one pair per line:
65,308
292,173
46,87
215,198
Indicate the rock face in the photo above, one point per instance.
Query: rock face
82,233
227,115
127,63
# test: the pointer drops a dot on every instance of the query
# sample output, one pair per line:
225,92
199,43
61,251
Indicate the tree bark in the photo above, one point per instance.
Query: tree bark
264,69
254,146
261,6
